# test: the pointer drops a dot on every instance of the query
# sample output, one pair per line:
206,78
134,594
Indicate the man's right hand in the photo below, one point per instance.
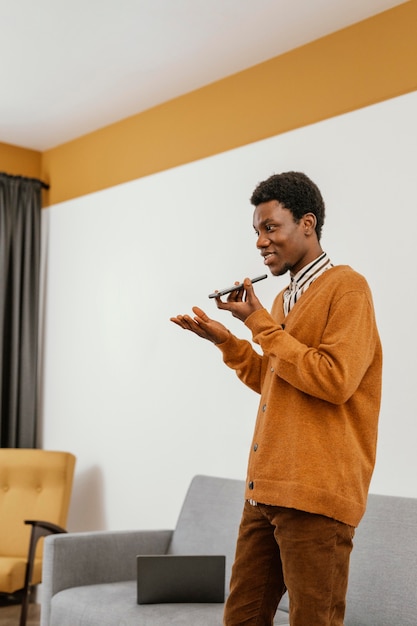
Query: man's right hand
202,326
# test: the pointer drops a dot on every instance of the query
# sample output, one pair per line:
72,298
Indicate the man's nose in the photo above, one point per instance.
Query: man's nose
262,241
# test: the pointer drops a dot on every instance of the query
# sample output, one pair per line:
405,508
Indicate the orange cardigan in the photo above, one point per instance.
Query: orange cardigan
319,377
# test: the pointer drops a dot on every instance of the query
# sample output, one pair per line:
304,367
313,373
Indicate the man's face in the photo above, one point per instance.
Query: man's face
284,243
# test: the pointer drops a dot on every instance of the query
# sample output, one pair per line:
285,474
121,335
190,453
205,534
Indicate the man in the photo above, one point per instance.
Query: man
314,444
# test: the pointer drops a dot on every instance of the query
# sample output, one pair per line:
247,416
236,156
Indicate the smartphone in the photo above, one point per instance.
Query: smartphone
223,292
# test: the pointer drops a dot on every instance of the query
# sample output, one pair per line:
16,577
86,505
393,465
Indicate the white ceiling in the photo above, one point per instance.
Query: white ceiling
68,67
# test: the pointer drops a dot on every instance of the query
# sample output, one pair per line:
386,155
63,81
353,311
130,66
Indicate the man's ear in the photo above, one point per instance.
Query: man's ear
309,223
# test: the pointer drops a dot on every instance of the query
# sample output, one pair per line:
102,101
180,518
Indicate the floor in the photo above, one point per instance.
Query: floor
10,615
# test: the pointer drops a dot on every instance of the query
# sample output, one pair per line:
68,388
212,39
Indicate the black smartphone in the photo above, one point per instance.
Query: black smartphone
223,292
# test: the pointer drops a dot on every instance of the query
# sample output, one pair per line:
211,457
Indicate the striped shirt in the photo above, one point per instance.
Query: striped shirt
303,279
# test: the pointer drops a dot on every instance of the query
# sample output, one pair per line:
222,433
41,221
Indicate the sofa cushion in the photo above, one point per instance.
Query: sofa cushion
115,603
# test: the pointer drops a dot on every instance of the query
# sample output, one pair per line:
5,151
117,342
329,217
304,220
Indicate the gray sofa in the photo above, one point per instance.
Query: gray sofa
89,579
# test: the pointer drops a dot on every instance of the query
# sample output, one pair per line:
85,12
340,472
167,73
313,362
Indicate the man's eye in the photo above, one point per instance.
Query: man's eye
269,227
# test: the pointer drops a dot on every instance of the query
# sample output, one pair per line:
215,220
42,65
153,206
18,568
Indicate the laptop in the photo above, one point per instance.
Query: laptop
180,578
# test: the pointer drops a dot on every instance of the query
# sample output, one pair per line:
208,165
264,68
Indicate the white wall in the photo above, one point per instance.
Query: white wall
145,405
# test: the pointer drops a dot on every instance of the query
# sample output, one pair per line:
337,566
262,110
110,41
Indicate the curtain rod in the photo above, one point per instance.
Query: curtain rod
43,185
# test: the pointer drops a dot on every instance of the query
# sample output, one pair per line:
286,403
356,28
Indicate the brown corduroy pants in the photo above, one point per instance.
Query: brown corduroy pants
281,549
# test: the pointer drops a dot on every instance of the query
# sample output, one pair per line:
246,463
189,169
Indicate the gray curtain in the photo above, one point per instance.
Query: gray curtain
20,215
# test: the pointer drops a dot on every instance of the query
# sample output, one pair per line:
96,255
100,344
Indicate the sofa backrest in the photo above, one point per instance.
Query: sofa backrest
383,571
209,519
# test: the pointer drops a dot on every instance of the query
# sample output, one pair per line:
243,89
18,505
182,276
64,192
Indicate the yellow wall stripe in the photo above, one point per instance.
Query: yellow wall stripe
354,67
20,161
369,62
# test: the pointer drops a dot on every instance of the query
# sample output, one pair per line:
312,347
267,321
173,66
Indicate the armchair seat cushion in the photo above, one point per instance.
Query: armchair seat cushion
12,572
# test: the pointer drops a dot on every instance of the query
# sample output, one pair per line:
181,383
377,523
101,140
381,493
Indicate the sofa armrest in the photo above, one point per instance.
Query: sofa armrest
88,558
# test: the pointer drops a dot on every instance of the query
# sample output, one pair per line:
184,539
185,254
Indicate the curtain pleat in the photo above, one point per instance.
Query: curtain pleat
20,218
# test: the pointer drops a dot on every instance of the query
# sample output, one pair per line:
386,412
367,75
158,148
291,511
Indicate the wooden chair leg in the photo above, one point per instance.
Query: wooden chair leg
24,608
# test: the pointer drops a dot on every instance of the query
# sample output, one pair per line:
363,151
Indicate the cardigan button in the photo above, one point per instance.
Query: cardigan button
264,408
255,447
250,484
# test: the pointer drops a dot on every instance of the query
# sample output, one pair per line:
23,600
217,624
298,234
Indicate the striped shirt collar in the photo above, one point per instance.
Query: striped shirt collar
301,281
311,271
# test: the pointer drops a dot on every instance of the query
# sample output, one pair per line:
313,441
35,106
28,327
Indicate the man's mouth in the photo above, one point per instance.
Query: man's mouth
267,257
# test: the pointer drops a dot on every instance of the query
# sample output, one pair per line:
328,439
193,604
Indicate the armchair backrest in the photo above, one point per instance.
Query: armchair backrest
35,485
209,519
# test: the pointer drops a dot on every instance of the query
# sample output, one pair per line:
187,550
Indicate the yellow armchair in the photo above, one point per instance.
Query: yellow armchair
35,492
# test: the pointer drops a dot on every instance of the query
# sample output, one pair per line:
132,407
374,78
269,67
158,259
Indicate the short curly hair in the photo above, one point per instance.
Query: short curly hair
296,192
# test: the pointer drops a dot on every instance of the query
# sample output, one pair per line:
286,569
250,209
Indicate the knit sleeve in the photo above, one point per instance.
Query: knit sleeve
329,367
239,355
